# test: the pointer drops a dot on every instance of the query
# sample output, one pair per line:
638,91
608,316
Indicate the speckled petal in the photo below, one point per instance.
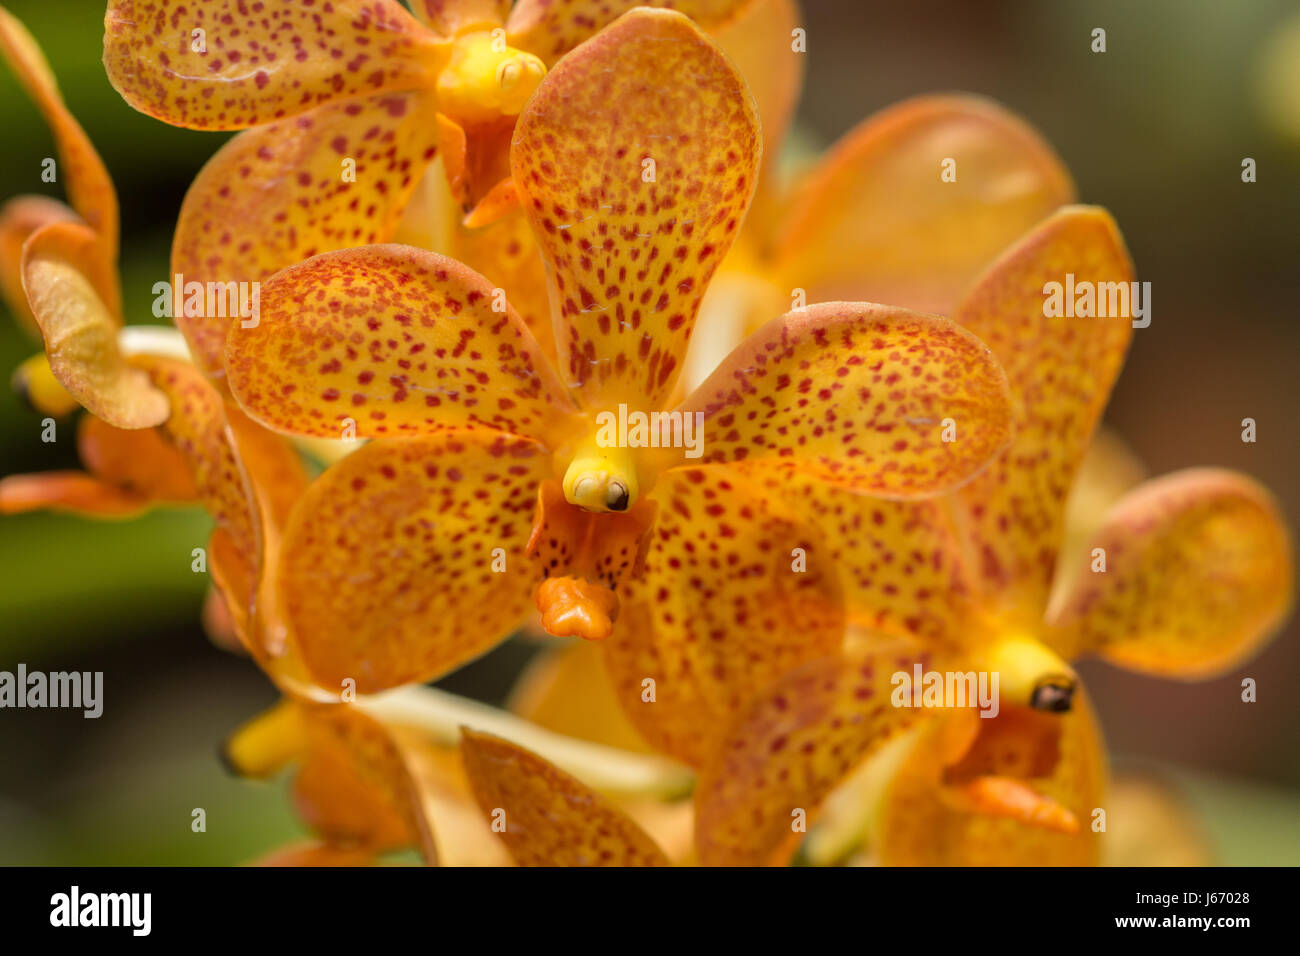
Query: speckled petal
395,341
19,218
919,826
635,161
80,329
876,222
550,818
1061,371
1199,574
335,177
735,593
387,574
81,171
260,61
790,747
860,396
900,562
551,28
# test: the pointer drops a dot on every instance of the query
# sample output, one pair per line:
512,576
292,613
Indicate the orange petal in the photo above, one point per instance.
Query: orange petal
253,71
860,396
139,461
735,594
19,218
550,818
876,221
632,246
1061,371
387,572
1199,574
337,176
922,824
449,17
71,491
89,188
80,330
790,747
355,784
394,340
551,29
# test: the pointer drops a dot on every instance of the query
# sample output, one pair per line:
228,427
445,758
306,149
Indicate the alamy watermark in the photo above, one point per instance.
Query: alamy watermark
651,430
36,689
934,689
1070,299
208,300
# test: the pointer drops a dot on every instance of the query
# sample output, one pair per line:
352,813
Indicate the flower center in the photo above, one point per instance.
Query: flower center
485,79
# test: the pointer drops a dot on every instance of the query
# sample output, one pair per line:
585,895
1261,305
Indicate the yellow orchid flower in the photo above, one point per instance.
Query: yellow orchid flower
1197,573
417,553
344,106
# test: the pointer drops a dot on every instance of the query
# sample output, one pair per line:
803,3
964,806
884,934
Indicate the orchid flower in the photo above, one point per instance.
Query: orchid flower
417,553
1187,575
384,774
345,104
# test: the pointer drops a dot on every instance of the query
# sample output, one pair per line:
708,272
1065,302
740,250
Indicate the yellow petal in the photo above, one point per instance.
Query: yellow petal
449,17
635,161
735,594
875,221
394,341
1061,371
550,818
241,71
337,176
1199,574
552,29
860,396
80,329
387,572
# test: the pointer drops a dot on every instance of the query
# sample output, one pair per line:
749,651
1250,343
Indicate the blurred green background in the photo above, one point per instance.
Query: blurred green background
1154,129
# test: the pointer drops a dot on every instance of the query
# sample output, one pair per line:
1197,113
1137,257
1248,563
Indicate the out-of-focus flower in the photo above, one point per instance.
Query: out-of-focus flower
384,774
1197,574
401,344
345,105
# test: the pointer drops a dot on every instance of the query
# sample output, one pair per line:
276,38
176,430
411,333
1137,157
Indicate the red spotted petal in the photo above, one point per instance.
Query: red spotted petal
337,176
394,341
259,62
635,161
875,399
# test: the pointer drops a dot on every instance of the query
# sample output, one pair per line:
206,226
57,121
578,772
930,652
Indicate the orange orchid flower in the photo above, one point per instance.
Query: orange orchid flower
345,104
1197,573
384,773
417,553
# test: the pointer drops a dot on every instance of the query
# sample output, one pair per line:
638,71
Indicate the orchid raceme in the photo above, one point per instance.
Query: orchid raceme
489,472
344,105
1187,575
